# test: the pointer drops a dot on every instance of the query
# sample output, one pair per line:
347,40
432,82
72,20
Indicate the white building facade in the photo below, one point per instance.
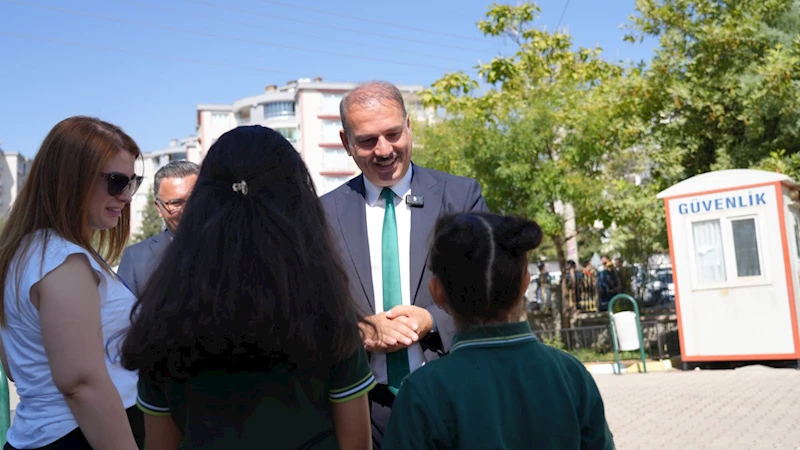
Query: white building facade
14,169
306,113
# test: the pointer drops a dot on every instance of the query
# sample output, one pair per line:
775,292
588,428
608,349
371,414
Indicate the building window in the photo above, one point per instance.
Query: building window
219,118
177,156
330,103
335,159
278,109
331,183
709,254
330,131
745,246
796,217
289,133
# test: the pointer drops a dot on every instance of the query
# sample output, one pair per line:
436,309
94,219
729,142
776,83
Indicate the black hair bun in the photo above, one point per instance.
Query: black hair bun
518,235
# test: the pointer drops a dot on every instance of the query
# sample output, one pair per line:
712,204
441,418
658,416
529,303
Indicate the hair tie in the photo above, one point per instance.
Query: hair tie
240,187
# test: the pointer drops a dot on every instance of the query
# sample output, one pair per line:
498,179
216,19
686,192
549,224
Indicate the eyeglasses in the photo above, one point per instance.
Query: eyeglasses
172,206
117,182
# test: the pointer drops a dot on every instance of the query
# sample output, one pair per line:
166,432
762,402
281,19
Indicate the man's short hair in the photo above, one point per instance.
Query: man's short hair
174,169
382,91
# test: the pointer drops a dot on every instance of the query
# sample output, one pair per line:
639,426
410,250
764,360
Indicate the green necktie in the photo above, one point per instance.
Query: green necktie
396,362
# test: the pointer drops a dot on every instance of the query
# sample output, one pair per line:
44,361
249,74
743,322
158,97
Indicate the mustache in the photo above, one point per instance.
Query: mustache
386,158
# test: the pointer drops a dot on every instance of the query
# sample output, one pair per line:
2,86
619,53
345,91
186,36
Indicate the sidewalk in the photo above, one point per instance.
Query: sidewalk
753,407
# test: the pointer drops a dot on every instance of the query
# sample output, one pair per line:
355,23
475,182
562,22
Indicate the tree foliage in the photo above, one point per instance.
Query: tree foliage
553,124
532,128
152,224
533,134
723,89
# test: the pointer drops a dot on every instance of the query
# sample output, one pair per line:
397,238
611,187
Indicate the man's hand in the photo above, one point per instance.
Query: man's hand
418,319
397,328
388,335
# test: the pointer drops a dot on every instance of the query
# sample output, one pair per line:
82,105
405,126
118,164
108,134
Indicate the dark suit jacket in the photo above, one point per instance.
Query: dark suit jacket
139,260
442,193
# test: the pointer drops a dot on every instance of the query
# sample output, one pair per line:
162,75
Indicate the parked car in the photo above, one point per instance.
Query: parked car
659,288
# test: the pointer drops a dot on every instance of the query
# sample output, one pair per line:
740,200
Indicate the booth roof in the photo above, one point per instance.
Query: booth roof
724,179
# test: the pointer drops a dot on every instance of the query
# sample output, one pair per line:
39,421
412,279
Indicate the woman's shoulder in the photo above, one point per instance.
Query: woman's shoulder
46,250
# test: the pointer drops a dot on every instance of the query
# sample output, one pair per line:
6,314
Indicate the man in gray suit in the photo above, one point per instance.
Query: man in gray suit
382,221
172,186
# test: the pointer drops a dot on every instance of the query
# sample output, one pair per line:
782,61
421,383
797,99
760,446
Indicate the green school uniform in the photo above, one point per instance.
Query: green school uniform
499,388
280,409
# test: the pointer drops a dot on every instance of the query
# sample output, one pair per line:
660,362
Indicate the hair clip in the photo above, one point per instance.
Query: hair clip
240,187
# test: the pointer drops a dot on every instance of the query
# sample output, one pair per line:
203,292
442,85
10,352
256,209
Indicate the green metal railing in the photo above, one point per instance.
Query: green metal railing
617,367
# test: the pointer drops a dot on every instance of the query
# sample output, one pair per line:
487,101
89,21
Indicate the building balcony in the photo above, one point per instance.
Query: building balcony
337,173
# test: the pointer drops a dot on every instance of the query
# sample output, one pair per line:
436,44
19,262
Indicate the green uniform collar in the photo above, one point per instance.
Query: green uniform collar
493,335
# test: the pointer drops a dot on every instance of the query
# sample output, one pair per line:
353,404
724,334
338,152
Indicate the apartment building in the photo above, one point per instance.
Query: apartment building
14,170
305,112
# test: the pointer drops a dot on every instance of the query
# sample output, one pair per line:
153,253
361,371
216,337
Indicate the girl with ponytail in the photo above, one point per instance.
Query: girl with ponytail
499,387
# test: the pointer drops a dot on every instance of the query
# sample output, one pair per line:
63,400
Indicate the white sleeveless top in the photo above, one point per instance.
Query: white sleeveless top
42,414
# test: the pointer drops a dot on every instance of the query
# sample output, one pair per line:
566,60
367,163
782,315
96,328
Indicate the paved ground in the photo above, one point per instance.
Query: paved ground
753,407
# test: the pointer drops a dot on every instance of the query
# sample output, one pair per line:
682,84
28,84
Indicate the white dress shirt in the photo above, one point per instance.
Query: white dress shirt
376,207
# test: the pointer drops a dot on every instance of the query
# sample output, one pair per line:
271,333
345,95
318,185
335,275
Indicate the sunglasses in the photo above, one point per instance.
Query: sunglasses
117,182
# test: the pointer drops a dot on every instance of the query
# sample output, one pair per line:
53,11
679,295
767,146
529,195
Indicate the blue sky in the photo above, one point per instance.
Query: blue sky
146,64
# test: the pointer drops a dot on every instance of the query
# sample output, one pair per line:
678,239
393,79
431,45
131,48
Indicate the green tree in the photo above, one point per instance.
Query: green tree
152,224
723,89
533,129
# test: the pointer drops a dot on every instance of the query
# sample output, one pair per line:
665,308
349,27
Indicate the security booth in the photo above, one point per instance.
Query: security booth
733,239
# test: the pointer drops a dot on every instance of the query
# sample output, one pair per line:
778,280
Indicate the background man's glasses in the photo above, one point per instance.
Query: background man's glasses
117,182
172,206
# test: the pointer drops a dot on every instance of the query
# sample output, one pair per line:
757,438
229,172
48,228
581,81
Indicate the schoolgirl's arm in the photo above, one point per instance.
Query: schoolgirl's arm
161,433
160,430
352,425
350,381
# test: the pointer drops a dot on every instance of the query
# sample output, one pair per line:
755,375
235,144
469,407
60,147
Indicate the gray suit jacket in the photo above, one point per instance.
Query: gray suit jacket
442,193
140,260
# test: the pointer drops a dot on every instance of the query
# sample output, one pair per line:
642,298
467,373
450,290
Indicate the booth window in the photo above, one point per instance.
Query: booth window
745,244
796,217
708,251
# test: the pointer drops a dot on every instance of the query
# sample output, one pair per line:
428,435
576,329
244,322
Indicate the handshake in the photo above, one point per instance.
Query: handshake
397,328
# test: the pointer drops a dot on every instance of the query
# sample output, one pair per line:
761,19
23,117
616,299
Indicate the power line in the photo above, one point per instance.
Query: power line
332,27
297,33
364,19
220,36
564,11
145,54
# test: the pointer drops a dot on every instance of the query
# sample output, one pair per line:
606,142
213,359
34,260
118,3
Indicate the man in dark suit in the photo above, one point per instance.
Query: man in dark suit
382,221
172,186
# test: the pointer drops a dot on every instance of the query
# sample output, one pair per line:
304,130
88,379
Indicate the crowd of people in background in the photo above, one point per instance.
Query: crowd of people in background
589,288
